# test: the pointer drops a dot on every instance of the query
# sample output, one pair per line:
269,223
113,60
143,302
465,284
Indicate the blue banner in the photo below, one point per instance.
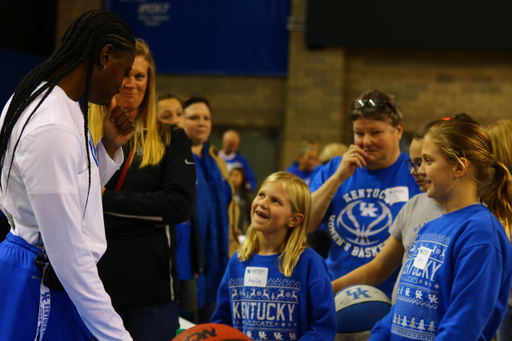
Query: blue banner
229,37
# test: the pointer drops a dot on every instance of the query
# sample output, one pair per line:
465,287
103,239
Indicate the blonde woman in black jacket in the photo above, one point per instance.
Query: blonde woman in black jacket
152,191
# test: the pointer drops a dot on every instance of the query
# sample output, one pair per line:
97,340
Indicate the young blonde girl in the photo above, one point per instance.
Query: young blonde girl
456,281
275,287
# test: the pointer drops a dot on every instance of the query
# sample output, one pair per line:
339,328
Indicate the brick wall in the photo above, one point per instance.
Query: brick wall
235,101
429,84
68,10
432,84
314,93
313,102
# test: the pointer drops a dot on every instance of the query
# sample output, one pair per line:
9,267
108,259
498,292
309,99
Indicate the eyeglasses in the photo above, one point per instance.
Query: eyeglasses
371,102
415,165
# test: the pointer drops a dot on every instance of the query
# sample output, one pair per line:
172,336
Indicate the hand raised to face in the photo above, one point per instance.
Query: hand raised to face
354,157
118,127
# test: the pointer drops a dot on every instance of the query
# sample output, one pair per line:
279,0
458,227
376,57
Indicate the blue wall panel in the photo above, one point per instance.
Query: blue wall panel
231,37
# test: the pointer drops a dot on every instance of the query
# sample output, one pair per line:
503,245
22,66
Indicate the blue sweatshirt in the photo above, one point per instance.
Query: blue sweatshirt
361,213
256,298
461,291
213,218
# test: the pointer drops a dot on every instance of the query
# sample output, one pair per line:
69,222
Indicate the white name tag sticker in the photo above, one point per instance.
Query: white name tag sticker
255,277
422,258
396,194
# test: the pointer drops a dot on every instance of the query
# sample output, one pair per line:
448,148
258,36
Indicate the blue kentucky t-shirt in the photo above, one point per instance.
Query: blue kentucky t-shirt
362,211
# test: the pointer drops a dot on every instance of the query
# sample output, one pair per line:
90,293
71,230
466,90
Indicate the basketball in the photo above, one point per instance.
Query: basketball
211,332
359,307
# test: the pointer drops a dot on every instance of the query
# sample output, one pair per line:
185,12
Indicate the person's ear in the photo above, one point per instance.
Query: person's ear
295,220
399,130
461,168
106,56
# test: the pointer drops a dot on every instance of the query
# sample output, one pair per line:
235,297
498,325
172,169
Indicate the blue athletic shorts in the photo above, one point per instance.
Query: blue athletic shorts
20,284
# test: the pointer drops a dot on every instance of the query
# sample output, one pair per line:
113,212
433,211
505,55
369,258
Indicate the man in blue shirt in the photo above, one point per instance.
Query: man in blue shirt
230,145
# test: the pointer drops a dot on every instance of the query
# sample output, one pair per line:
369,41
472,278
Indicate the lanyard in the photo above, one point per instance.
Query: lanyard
125,170
44,311
41,262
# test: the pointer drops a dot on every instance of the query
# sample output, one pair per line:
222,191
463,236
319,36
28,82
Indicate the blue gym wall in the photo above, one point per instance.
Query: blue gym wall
214,37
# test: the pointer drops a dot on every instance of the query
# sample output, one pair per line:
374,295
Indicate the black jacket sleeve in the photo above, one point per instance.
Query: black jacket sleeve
163,194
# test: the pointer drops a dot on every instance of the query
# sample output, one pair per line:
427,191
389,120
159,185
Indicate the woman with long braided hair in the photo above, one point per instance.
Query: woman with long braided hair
51,179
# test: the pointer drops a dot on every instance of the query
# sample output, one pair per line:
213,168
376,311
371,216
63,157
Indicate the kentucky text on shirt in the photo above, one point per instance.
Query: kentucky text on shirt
263,311
389,195
427,273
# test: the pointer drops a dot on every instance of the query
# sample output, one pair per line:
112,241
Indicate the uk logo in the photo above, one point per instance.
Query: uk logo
358,293
364,220
45,296
368,211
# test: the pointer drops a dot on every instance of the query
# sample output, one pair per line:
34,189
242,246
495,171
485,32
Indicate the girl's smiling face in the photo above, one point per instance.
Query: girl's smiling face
271,210
439,175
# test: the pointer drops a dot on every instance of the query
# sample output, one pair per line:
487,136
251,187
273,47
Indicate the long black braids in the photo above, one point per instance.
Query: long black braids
82,41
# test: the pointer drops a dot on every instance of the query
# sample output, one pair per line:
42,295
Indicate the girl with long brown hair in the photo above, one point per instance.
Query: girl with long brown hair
456,281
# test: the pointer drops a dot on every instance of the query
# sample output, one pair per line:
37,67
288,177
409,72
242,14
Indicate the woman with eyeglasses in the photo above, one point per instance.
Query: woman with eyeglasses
357,196
413,215
217,209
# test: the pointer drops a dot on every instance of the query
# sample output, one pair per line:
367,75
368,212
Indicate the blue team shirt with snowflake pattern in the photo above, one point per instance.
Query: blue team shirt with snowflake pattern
282,308
460,291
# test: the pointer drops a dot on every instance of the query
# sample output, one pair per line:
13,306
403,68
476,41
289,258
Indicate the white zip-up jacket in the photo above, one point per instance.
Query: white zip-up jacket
47,194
